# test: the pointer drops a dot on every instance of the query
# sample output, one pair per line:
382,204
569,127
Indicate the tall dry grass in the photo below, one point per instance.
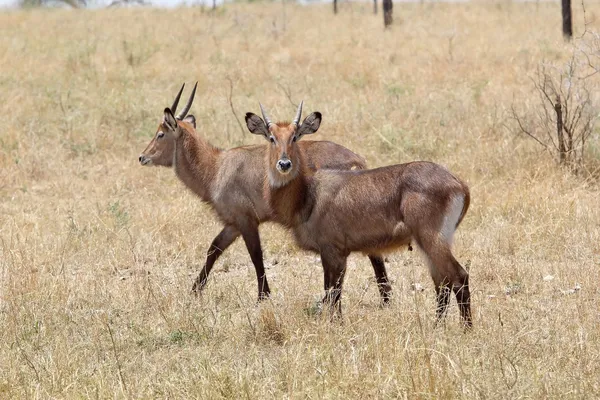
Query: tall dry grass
97,254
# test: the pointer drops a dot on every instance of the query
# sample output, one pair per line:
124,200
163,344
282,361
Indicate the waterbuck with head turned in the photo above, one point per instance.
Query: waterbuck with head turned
335,213
231,182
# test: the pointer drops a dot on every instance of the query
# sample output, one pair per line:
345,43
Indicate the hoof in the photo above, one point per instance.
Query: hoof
197,287
262,296
385,302
385,292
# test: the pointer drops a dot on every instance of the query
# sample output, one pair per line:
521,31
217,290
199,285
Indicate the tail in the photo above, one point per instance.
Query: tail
359,162
466,203
352,160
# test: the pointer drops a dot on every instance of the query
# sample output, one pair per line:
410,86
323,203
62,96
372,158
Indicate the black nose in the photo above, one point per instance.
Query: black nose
284,165
141,158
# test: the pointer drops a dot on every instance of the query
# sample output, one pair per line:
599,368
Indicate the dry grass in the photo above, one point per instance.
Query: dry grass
97,254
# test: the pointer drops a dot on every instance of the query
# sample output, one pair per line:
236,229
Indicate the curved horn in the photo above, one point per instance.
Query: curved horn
187,107
265,116
298,114
174,106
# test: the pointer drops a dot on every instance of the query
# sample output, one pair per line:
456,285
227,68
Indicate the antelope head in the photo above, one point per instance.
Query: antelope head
162,146
283,154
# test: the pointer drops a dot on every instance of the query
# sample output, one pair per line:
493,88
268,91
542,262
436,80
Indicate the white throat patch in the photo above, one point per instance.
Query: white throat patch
278,180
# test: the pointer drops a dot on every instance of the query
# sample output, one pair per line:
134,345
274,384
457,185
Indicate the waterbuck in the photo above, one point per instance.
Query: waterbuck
231,182
335,213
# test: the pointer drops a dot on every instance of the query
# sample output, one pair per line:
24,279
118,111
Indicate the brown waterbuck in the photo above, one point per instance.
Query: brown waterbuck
335,213
230,181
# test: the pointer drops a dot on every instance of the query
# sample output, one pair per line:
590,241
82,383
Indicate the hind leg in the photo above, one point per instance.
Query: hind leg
442,290
218,246
383,284
448,276
463,294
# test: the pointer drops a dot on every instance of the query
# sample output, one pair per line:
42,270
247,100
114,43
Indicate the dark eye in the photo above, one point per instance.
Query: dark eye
295,138
160,135
272,139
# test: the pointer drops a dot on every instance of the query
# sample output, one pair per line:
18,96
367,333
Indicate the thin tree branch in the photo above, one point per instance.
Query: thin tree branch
523,129
288,93
232,107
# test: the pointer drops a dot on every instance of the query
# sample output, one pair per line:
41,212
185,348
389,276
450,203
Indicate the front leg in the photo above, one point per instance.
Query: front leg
251,237
334,270
383,283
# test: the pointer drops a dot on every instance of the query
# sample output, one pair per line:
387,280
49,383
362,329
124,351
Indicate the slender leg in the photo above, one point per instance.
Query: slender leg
252,240
442,289
463,295
455,279
448,276
383,284
326,285
334,268
223,240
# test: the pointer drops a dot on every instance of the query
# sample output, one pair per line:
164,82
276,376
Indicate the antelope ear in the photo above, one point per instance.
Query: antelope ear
310,125
190,119
256,125
169,120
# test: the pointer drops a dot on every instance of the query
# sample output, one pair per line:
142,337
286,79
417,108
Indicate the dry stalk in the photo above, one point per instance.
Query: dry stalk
229,98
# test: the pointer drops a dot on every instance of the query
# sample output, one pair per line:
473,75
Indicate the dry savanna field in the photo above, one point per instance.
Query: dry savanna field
98,254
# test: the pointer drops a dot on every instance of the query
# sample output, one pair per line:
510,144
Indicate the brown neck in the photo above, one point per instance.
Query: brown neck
195,163
291,202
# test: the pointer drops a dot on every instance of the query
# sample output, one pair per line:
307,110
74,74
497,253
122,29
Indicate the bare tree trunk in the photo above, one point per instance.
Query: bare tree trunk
214,4
567,23
559,131
335,6
387,12
375,7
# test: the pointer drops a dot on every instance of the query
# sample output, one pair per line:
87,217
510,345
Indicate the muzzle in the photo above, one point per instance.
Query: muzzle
144,160
284,165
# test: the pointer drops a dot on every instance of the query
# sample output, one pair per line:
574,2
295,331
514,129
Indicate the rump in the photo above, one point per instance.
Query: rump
329,155
454,213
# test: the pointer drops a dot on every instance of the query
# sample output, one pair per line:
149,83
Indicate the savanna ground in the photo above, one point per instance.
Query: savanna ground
98,254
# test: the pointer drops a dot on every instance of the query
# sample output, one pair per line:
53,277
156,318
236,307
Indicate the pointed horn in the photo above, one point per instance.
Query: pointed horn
298,115
265,116
187,107
174,106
